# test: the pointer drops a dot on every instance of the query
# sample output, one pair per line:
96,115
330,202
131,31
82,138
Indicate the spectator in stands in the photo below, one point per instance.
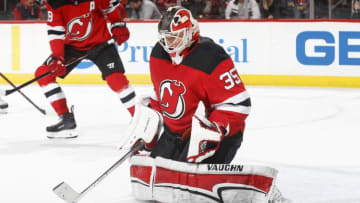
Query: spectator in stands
195,6
300,8
285,10
341,9
143,9
355,9
122,8
27,10
270,8
321,8
243,9
213,9
42,6
9,14
163,5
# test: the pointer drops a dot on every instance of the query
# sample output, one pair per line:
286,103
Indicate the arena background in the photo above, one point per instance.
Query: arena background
322,53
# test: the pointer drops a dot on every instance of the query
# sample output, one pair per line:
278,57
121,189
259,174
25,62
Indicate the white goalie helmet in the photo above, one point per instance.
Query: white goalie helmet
177,30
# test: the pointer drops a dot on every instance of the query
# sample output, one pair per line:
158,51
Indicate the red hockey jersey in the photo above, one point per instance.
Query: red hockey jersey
206,74
80,23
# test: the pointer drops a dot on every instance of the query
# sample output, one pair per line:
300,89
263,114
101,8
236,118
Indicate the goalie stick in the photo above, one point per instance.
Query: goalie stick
27,98
69,195
91,52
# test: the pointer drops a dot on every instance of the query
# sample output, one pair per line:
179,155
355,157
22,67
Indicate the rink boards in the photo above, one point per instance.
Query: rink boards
276,53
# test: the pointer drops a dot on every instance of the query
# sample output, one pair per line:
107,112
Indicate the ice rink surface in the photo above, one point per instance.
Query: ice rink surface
311,135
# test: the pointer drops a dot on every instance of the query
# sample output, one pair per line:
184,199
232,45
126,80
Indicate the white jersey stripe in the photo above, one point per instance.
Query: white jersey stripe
56,28
233,104
52,37
113,5
125,92
234,100
56,32
56,97
53,97
234,108
50,87
127,96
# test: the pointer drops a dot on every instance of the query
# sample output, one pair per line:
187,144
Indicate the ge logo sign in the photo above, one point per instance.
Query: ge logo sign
324,52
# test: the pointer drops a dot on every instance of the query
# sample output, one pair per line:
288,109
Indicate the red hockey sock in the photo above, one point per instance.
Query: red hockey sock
50,78
117,81
131,110
120,84
52,90
60,106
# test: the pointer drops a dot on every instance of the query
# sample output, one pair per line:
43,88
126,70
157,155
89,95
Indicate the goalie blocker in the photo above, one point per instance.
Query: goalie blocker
165,180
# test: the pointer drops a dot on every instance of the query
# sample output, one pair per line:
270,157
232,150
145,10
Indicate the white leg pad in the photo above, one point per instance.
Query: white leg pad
141,173
165,180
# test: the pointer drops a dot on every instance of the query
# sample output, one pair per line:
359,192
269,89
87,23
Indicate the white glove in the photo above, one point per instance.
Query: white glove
204,140
145,125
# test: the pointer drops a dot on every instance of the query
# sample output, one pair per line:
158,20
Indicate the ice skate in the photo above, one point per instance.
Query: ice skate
3,106
64,129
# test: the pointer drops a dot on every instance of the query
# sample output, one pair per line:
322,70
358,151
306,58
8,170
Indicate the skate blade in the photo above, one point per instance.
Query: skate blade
65,134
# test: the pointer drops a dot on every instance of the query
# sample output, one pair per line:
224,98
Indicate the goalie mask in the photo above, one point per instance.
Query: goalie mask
177,31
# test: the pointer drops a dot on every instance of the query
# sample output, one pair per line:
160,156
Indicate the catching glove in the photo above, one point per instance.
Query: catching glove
120,32
56,66
146,125
205,139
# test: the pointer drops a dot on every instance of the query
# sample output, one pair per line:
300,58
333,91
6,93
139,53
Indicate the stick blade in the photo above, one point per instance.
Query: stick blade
66,192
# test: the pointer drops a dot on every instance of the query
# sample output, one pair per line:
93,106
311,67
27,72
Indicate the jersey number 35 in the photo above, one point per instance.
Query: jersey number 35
230,78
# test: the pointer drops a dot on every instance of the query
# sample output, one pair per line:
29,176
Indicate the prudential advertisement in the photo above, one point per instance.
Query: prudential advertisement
271,49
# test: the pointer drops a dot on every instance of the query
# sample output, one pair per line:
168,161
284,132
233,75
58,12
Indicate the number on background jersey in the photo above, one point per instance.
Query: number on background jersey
92,6
230,78
50,16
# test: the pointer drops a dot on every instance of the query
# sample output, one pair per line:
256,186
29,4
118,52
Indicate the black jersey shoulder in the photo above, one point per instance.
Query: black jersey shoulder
206,56
159,52
59,3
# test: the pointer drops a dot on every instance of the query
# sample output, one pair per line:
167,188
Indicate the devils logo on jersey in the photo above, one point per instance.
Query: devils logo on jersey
171,98
80,28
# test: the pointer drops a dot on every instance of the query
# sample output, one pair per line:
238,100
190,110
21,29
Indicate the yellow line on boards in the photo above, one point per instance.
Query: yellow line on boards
302,80
15,33
139,79
85,79
261,80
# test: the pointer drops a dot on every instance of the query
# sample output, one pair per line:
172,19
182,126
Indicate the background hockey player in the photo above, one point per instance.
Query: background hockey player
191,149
76,28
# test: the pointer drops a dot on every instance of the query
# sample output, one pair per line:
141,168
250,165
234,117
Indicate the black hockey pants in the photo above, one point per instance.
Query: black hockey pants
171,146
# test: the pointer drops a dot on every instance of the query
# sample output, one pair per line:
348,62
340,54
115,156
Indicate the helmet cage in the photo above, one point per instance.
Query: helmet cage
174,41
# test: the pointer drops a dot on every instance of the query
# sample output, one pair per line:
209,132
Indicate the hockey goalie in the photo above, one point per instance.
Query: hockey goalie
190,149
